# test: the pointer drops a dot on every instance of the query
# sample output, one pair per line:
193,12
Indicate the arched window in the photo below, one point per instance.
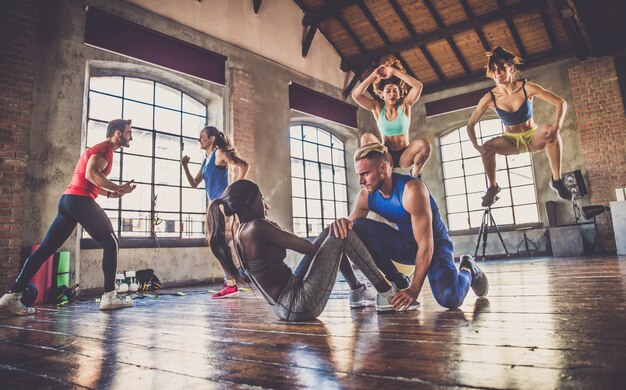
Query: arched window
465,182
166,124
318,179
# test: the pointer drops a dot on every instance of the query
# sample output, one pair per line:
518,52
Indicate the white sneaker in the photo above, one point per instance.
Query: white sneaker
11,303
120,283
362,297
383,301
111,300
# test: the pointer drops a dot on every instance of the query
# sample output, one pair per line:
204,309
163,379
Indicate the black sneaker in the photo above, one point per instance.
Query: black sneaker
480,284
400,281
559,187
490,196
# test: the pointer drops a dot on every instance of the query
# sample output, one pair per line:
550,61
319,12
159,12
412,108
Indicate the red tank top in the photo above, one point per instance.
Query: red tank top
79,184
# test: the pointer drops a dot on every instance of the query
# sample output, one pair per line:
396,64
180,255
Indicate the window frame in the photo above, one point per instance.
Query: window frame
332,135
149,240
504,227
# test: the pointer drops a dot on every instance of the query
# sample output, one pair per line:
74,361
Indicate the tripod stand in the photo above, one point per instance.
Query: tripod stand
595,246
487,221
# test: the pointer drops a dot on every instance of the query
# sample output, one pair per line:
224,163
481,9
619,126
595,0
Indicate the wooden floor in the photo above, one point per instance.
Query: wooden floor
547,323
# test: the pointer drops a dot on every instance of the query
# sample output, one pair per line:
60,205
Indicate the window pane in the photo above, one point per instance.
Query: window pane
463,133
329,209
502,216
473,166
327,191
310,151
327,172
168,97
524,195
458,221
167,121
136,224
339,158
295,132
324,155
299,227
476,218
311,170
96,132
502,178
453,169
469,150
110,85
313,189
521,176
474,200
450,152
108,203
140,90
141,143
296,148
342,209
340,175
314,208
337,144
167,172
490,127
114,176
455,186
104,108
140,113
315,227
168,146
193,226
456,203
297,167
341,192
297,187
193,106
323,138
167,198
475,183
139,199
167,225
505,198
137,168
299,207
451,137
310,133
191,148
526,214
194,200
192,125
519,160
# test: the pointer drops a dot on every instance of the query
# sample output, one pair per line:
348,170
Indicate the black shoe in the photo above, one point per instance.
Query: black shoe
480,284
490,196
559,187
400,281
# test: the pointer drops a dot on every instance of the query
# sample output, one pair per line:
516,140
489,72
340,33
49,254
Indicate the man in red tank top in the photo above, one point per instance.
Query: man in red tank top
78,205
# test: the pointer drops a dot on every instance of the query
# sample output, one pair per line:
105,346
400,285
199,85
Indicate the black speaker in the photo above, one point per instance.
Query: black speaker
575,182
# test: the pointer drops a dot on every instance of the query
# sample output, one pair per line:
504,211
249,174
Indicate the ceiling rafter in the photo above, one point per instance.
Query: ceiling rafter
478,30
581,26
358,74
304,9
411,30
514,33
448,31
307,39
350,32
329,11
575,39
548,26
435,15
383,36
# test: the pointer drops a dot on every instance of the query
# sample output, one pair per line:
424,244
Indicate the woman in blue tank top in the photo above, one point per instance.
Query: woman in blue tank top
214,171
512,100
393,114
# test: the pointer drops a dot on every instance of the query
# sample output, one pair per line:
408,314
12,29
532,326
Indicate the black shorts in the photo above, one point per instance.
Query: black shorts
395,156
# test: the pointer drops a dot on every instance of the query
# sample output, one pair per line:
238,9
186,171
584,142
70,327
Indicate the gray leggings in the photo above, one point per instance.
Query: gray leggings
307,291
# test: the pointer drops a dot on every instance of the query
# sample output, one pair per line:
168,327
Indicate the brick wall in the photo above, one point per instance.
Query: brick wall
242,116
18,22
602,129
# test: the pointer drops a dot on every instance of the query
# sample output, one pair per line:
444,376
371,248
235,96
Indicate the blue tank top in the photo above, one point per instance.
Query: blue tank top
215,178
392,210
387,128
523,114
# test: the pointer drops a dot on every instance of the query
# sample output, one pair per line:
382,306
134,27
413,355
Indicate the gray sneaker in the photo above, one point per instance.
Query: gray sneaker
383,301
362,297
111,301
480,284
11,303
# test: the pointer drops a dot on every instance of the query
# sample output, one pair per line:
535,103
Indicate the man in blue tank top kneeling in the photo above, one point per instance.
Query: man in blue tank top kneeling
421,237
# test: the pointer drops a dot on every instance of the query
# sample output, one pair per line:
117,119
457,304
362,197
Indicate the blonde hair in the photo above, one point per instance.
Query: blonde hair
371,151
380,84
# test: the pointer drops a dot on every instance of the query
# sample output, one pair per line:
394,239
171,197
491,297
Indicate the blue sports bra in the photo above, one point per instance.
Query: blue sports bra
388,128
523,113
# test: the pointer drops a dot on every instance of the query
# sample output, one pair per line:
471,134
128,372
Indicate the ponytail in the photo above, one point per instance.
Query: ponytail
222,142
216,236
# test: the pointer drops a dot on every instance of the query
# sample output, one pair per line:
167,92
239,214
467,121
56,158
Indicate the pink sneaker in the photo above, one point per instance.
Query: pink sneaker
226,292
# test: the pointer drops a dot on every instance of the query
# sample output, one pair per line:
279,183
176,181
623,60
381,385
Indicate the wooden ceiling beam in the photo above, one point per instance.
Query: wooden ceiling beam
459,56
529,63
411,30
443,33
308,39
514,33
329,11
478,30
548,26
577,42
355,79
